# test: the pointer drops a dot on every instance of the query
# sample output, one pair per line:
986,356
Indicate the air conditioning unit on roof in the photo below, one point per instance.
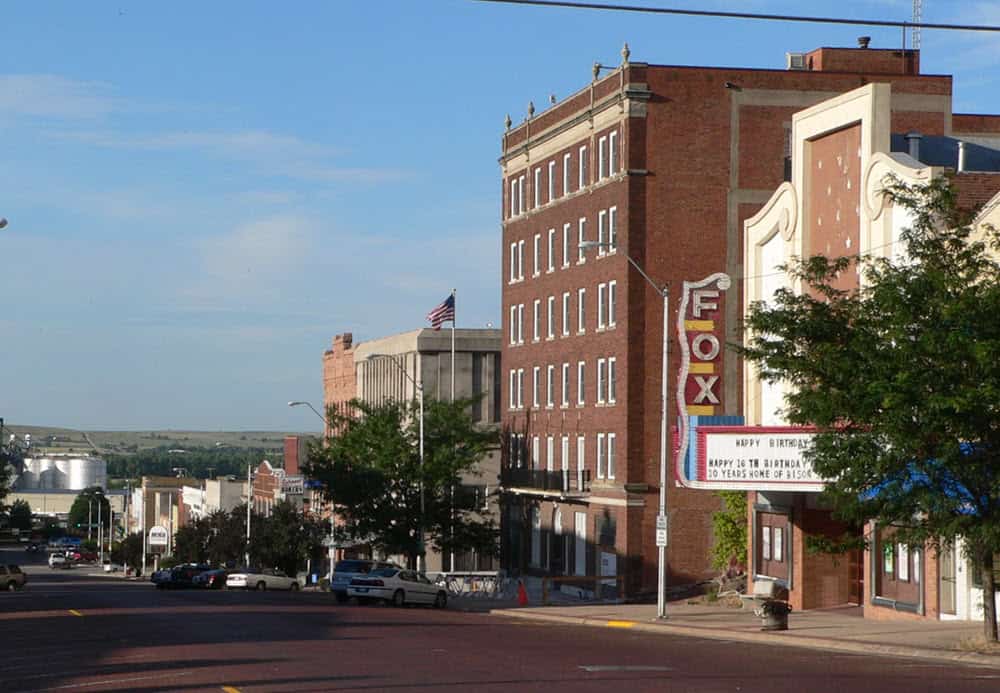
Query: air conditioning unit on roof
796,61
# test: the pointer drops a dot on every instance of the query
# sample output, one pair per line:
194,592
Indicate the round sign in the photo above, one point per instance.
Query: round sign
158,536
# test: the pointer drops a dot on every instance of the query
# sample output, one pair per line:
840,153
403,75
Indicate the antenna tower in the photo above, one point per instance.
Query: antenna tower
918,13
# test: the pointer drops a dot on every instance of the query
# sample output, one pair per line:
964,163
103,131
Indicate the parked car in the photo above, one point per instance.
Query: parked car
346,570
212,579
59,560
32,548
261,579
110,567
180,576
397,587
160,577
11,577
81,555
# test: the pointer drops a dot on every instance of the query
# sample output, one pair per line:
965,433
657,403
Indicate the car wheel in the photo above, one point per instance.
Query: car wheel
261,586
398,598
441,600
294,587
11,586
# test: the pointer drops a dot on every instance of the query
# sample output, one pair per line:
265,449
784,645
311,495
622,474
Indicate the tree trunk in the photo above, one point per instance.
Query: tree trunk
989,597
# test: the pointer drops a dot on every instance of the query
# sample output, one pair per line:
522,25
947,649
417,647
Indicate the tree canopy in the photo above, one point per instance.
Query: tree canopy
901,377
20,514
372,473
84,511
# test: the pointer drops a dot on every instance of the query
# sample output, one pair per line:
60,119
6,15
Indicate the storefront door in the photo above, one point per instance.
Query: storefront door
773,545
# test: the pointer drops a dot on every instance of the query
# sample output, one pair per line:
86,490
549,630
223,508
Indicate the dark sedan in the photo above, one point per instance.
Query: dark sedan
211,579
179,577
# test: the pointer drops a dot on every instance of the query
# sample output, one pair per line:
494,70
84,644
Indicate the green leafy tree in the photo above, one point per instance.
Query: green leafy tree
901,377
128,551
372,473
729,526
285,539
20,515
227,536
84,511
191,542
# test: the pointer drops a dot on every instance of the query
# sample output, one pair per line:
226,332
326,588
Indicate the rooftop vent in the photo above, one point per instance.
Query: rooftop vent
863,41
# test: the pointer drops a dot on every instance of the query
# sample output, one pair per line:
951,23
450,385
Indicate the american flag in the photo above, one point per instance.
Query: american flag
443,313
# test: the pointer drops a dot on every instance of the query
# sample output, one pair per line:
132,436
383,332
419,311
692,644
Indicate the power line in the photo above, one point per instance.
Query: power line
572,4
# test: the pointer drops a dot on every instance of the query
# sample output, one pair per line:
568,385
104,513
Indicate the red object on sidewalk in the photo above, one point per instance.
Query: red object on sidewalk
522,594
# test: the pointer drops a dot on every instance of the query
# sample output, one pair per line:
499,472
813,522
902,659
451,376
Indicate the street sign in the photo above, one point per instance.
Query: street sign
158,536
661,530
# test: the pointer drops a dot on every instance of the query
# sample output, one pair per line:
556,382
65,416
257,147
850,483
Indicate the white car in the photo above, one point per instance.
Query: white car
397,587
261,579
59,560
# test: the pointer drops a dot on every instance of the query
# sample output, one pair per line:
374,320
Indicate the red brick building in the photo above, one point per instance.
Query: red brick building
663,163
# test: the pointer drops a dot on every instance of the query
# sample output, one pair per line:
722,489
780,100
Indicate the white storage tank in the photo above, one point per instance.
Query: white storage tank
64,472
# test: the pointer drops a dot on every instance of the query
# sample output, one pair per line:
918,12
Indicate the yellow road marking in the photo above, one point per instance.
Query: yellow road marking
75,612
230,689
620,624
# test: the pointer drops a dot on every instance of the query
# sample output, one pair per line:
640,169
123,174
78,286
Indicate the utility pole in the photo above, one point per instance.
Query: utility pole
90,515
249,500
100,532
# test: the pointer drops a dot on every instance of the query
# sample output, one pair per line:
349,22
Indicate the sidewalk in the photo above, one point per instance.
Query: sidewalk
842,629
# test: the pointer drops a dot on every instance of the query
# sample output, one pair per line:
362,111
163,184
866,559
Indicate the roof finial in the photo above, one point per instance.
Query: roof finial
625,54
597,70
507,122
531,109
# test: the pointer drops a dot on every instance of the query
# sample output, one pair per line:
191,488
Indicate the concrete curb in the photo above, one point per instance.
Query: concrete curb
786,638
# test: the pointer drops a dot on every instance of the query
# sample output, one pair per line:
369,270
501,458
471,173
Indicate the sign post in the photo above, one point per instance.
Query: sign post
661,530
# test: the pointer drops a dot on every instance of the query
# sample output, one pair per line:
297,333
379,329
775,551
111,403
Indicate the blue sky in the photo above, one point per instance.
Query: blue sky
201,195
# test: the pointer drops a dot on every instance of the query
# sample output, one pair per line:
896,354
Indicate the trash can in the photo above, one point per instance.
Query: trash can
774,615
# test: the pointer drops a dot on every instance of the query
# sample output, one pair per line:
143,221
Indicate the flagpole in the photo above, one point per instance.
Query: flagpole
454,316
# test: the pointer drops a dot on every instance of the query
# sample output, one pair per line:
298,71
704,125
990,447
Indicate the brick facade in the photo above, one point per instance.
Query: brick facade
699,151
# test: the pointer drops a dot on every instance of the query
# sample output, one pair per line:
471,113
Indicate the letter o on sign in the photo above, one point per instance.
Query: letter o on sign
698,345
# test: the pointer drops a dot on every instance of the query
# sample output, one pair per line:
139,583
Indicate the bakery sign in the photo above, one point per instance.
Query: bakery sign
755,458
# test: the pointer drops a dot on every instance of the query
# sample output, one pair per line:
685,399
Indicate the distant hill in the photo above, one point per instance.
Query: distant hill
53,439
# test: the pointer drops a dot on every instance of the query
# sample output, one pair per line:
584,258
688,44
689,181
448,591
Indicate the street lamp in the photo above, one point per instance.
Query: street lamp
661,519
332,549
296,403
418,386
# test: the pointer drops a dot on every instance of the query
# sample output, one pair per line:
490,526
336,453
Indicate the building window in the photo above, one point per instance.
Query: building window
778,548
581,448
602,301
552,181
564,462
903,552
536,377
602,231
612,379
566,174
552,250
550,452
513,262
565,254
565,314
520,323
565,384
581,300
765,547
551,333
535,452
613,152
600,456
512,400
612,303
536,267
613,230
520,388
520,194
537,332
550,390
520,259
612,440
513,324
580,382
513,198
583,167
537,187
602,158
601,379
581,257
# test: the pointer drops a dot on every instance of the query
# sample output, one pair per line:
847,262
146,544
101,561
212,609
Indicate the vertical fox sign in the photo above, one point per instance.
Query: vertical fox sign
700,333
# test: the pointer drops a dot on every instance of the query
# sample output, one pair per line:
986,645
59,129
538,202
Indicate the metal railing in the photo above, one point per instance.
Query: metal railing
563,481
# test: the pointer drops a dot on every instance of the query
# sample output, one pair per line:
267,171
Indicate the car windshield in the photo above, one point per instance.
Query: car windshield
352,567
384,572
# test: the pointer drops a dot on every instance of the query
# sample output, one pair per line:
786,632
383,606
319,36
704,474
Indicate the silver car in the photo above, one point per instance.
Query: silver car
261,579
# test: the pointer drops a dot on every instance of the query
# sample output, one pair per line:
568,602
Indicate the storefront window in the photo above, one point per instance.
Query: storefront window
897,576
766,543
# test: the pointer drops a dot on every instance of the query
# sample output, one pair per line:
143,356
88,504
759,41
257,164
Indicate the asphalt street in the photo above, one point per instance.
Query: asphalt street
71,632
